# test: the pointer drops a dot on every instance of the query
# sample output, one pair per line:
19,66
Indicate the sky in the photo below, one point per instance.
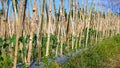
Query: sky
114,5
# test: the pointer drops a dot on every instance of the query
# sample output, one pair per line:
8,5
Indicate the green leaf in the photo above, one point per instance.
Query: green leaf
25,51
5,45
27,39
13,39
1,42
1,58
34,39
21,39
0,53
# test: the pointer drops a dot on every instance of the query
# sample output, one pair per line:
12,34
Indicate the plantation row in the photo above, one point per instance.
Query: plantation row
52,33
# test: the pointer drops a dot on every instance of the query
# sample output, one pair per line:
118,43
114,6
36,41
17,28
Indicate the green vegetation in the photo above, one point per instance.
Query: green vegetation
97,57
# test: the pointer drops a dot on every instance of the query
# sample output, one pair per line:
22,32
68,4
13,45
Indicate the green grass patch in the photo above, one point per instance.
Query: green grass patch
96,57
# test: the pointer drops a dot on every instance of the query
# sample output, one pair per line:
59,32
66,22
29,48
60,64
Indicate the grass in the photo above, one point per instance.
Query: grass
104,55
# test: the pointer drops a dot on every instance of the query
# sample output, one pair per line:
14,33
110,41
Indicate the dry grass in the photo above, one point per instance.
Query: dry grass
114,62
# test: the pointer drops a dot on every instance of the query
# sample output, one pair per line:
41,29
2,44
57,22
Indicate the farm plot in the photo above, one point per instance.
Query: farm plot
38,35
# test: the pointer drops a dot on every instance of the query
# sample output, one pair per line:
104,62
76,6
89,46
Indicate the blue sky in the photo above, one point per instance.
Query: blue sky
0,5
112,4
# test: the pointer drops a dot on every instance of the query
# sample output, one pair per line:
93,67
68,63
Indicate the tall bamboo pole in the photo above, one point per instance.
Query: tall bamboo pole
17,34
61,27
73,23
40,30
48,30
33,25
88,25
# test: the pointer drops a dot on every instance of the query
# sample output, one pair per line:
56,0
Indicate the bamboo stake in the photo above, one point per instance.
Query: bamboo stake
40,29
88,25
32,29
17,36
48,30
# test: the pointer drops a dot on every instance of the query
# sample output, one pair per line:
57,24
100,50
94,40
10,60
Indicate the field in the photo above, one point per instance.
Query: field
44,35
